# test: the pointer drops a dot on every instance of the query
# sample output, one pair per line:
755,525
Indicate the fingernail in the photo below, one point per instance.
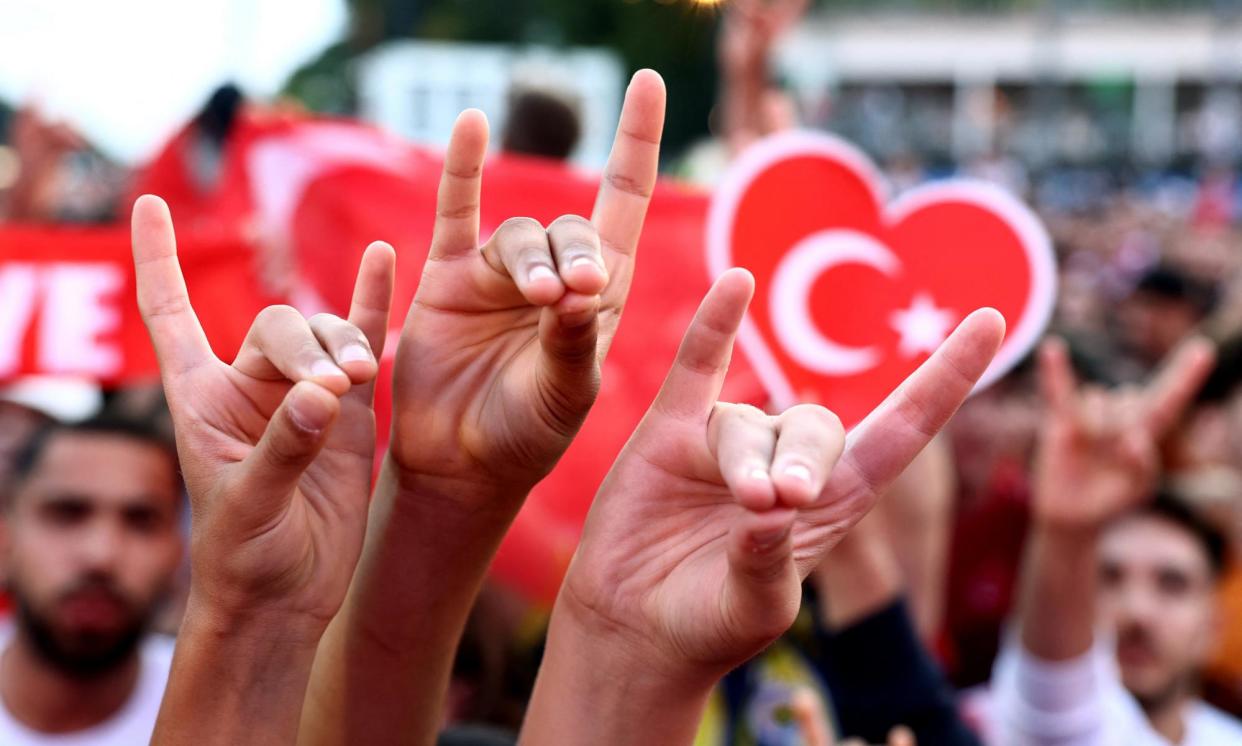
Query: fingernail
309,412
354,353
799,472
759,475
541,272
583,261
765,540
325,368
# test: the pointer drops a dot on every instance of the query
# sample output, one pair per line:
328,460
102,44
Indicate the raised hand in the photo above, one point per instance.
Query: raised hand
1097,449
694,550
277,452
496,368
499,359
1096,458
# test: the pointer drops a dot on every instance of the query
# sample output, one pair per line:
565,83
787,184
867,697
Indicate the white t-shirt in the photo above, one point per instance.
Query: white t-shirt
1081,702
130,726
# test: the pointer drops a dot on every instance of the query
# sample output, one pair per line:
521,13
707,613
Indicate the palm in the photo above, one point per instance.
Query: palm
497,368
467,381
1097,450
319,524
280,504
1086,476
672,553
675,491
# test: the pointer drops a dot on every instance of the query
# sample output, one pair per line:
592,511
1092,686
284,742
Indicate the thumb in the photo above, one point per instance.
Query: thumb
294,437
762,588
568,363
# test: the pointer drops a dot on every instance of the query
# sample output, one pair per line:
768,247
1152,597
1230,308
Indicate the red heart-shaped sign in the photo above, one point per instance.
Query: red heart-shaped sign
852,292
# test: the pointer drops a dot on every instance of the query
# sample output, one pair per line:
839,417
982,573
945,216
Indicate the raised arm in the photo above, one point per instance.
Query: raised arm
693,554
497,367
1096,458
877,669
276,450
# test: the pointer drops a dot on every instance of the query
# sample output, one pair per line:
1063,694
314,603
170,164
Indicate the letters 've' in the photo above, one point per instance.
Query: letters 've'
77,311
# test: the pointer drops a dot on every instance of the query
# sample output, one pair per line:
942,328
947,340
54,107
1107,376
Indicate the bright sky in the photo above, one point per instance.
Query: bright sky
127,72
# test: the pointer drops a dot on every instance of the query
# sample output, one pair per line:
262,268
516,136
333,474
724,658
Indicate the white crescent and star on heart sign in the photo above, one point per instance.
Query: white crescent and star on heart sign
787,344
921,327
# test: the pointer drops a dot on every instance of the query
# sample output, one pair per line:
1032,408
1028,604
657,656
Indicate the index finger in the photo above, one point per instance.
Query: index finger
1179,379
694,382
1056,376
163,300
630,178
456,231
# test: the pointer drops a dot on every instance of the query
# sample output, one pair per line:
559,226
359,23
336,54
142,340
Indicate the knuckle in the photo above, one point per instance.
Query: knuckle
820,417
573,222
326,321
628,184
277,314
518,225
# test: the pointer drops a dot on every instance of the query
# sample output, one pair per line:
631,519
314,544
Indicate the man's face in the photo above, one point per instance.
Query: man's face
1152,325
1157,592
92,544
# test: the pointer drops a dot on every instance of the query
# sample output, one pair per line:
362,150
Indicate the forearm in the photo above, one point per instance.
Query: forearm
1057,606
383,667
859,577
880,676
740,101
233,684
591,690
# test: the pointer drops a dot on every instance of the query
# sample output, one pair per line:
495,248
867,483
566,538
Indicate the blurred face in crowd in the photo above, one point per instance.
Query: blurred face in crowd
1158,593
1151,325
91,543
16,425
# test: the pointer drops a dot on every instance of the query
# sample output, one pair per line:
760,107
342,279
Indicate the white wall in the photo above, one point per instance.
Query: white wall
417,89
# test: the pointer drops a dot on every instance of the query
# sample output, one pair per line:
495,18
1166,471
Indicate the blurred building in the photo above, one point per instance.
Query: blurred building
1052,83
417,89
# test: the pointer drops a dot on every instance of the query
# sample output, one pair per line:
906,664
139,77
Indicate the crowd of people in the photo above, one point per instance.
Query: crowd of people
1053,564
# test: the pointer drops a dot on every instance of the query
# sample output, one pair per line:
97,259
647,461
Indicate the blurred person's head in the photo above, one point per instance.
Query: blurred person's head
1159,566
33,401
1165,306
17,423
541,124
90,540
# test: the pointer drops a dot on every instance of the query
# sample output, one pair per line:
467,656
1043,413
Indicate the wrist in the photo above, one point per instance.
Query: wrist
477,499
234,628
599,679
1064,529
234,680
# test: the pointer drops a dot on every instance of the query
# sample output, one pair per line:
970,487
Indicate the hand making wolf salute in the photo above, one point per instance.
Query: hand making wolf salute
497,367
277,451
695,548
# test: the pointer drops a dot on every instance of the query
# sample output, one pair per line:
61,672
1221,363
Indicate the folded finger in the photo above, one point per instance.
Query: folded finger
743,439
520,249
346,345
579,259
281,345
810,440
